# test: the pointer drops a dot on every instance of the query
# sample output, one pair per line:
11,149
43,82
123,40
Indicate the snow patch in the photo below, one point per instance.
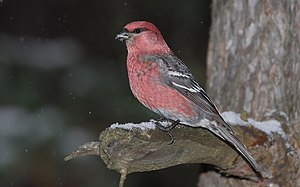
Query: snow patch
129,126
149,125
233,118
269,126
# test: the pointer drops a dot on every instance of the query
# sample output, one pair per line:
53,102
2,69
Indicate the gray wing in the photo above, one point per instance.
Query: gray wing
179,77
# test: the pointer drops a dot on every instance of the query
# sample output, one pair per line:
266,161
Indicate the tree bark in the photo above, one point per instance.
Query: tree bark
254,66
140,149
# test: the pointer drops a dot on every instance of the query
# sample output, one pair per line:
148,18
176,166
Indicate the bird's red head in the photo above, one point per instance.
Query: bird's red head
143,37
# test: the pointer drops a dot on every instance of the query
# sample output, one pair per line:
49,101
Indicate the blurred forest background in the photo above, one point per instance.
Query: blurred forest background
63,80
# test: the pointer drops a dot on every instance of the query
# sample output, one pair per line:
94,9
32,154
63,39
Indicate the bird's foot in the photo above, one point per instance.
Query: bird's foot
168,128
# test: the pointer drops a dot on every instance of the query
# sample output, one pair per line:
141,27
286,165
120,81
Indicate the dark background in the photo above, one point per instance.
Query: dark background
63,80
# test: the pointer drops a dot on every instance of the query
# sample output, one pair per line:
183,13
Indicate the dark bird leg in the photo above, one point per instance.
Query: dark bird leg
168,128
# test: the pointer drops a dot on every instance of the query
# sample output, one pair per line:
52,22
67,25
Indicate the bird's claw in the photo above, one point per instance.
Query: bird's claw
168,128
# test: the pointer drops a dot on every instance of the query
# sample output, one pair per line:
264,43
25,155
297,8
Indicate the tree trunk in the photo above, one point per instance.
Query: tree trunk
254,67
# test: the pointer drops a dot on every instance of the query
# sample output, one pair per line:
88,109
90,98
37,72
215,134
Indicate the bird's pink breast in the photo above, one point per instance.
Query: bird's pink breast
148,86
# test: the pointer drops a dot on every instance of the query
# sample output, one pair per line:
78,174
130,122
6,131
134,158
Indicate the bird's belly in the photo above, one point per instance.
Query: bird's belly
149,88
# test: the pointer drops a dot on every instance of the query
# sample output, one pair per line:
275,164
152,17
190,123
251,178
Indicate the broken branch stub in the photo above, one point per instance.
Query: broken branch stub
129,149
140,150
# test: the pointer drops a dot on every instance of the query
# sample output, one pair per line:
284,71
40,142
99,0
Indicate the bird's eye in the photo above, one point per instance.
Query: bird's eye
137,31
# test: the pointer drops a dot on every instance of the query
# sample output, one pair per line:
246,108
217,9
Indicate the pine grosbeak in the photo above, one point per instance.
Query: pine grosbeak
163,83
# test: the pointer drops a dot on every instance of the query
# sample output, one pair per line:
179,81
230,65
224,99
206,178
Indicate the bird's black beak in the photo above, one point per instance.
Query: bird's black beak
123,36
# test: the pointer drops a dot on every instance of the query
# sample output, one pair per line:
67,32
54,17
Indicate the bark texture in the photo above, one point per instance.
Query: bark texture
139,150
254,66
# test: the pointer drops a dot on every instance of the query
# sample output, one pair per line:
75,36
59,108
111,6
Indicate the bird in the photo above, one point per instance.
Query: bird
165,85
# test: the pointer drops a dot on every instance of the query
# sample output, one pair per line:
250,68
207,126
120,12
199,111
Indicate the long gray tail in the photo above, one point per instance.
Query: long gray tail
227,136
